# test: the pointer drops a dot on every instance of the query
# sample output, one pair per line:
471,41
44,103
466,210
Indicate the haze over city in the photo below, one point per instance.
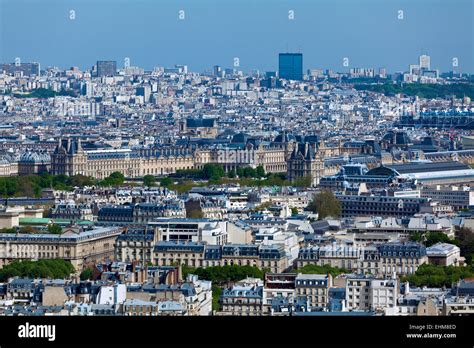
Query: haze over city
370,33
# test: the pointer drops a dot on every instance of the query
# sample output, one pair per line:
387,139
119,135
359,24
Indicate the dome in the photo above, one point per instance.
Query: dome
35,157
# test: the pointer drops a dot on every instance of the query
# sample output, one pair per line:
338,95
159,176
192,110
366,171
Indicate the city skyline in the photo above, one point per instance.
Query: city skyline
159,34
120,66
275,158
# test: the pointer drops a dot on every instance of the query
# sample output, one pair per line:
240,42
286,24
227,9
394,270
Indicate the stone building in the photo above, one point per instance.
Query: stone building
194,254
32,162
80,248
305,163
8,167
69,158
285,154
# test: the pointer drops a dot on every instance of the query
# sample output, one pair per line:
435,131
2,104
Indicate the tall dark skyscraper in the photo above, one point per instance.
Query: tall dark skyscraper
291,66
106,67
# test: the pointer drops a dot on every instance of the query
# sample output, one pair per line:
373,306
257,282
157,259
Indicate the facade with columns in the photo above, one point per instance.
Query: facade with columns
70,158
298,160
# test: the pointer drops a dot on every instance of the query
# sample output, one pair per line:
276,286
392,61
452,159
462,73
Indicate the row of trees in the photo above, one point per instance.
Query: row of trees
224,275
432,238
44,93
32,185
52,228
51,269
438,276
423,90
326,269
215,172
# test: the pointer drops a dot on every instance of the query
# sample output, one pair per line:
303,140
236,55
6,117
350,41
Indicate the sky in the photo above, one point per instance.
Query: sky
369,33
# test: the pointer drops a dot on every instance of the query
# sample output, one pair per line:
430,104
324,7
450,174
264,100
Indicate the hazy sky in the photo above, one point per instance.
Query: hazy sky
149,32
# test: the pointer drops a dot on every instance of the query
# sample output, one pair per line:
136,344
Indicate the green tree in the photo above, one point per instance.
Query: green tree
465,239
80,180
61,182
260,172
166,182
48,268
294,211
86,274
28,229
224,275
213,171
437,237
149,180
437,276
325,204
416,237
303,182
55,229
216,294
193,209
114,179
249,172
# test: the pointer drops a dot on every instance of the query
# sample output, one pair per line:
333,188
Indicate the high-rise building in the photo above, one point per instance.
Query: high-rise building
217,70
144,91
291,66
414,69
425,62
106,68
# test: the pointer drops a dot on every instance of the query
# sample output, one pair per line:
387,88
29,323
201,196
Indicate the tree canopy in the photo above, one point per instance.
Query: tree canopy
325,204
86,274
114,179
222,275
48,268
54,229
465,239
32,185
423,90
149,180
438,276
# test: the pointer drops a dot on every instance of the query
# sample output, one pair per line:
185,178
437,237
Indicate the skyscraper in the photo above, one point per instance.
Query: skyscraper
291,66
217,71
106,67
425,62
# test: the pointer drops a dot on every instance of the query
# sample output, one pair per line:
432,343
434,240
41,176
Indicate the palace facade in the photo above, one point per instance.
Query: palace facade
285,154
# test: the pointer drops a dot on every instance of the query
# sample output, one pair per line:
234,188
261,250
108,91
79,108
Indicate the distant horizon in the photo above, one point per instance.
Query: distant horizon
388,34
246,71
